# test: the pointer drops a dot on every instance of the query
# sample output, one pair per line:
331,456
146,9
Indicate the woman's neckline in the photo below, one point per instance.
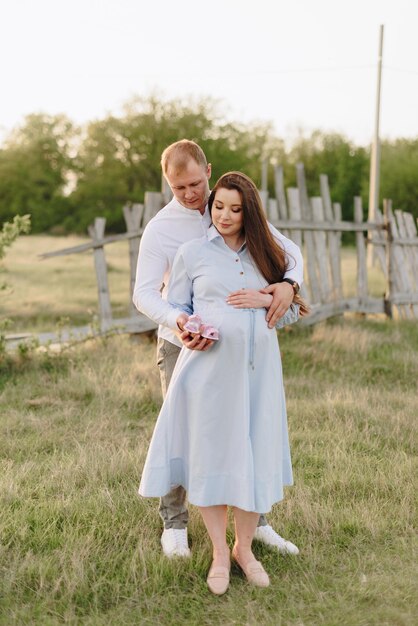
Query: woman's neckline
237,246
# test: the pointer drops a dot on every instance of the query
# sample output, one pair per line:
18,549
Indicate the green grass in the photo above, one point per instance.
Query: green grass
78,546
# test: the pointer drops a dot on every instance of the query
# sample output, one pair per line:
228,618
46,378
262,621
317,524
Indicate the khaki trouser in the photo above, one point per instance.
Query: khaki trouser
173,509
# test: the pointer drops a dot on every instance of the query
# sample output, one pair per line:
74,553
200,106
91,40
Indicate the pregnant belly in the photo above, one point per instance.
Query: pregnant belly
241,326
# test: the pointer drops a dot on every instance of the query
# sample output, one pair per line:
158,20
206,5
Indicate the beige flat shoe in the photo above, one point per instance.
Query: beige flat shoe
218,580
254,572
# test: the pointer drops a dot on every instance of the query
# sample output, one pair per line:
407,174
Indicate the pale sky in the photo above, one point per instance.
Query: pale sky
297,63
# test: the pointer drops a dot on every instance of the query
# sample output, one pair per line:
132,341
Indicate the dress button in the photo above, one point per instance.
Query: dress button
236,260
241,272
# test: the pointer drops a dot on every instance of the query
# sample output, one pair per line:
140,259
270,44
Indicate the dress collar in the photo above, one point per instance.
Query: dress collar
214,234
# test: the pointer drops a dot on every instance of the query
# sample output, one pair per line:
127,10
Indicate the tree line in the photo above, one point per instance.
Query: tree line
64,175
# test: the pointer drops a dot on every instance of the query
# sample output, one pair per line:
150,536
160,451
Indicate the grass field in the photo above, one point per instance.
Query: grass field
45,291
78,546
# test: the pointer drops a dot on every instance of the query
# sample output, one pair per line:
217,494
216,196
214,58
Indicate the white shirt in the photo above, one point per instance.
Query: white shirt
162,237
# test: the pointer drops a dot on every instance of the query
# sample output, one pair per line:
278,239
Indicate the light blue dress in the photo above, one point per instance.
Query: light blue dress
222,430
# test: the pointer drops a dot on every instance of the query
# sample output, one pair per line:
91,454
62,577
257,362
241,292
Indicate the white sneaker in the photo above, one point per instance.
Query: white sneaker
174,542
268,536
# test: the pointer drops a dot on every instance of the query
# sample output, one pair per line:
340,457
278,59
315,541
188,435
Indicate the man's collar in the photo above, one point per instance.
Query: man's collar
176,204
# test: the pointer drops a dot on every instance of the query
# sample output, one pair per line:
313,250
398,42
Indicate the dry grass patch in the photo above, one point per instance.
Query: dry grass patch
44,291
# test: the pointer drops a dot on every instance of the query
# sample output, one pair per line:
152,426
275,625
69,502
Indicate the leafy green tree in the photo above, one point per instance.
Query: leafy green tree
243,148
119,157
333,154
34,163
65,178
399,174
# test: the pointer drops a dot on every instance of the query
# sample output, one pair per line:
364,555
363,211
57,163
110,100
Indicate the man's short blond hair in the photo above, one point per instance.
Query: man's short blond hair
178,154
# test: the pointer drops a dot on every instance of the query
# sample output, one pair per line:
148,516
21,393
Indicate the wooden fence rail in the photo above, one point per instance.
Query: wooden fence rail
316,226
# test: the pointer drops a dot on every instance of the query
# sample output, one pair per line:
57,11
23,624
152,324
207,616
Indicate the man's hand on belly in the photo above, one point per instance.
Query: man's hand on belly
283,295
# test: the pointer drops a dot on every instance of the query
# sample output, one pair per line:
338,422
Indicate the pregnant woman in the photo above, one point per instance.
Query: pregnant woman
222,430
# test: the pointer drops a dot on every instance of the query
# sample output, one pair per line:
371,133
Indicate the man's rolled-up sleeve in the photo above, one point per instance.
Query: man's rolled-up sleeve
290,317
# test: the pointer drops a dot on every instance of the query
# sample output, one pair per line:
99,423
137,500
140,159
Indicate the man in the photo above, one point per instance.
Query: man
184,218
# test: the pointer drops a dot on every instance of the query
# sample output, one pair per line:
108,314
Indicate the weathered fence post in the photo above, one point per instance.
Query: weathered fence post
411,230
295,215
390,267
96,232
401,275
409,258
264,197
378,243
263,191
264,175
153,201
314,281
280,193
362,286
334,239
320,241
133,215
272,214
338,213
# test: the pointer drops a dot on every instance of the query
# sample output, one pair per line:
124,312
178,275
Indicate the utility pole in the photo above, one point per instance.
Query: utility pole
375,153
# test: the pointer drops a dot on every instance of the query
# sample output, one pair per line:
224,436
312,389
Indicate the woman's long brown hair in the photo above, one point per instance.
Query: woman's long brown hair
268,256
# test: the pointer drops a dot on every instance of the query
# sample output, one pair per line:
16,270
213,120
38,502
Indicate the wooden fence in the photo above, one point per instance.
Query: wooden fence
316,225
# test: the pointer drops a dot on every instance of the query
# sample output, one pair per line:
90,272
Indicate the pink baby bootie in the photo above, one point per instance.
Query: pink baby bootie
209,332
193,324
